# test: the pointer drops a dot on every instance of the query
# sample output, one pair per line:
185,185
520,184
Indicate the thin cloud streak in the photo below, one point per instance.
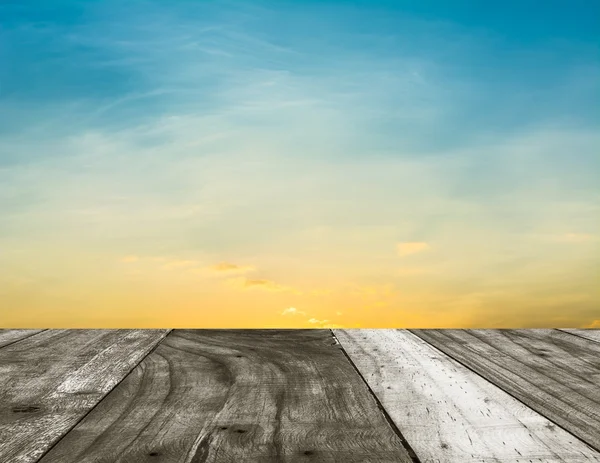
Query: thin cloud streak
227,268
292,311
259,284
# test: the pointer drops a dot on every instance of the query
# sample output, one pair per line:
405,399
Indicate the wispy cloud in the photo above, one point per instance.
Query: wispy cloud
130,259
227,268
292,311
414,247
266,285
260,284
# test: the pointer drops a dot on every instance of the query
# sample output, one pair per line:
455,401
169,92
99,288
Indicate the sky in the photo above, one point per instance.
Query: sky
297,164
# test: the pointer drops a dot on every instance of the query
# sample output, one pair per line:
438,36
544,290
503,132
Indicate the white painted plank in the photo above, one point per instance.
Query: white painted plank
448,413
553,372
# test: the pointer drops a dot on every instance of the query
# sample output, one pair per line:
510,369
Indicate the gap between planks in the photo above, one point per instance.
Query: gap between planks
400,393
589,333
51,379
238,395
501,384
22,338
372,393
456,359
411,453
388,418
134,366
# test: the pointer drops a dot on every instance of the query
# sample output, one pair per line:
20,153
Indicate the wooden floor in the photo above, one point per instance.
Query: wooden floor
192,396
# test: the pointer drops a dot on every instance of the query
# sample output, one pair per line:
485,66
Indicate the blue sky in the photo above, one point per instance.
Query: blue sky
330,130
82,53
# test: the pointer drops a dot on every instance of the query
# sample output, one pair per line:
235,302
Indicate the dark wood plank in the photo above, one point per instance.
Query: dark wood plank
447,412
237,396
589,333
50,380
8,337
555,373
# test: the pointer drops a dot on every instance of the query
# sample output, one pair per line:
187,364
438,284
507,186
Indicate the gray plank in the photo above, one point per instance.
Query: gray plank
448,413
237,396
51,380
589,333
8,337
555,373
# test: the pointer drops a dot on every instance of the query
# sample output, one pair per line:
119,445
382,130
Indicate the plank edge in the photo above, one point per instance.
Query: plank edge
411,453
134,366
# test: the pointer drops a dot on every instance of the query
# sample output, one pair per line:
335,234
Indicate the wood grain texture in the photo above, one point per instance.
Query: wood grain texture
555,373
591,334
237,396
448,413
50,380
8,337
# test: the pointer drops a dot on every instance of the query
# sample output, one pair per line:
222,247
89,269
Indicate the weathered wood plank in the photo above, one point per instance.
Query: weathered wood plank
50,380
448,413
8,337
555,373
237,396
591,334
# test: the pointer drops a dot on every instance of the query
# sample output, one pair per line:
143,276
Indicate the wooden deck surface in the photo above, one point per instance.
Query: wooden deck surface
553,372
191,396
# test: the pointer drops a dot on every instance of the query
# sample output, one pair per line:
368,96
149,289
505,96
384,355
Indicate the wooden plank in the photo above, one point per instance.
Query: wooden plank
50,380
588,333
8,337
555,373
237,396
448,413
